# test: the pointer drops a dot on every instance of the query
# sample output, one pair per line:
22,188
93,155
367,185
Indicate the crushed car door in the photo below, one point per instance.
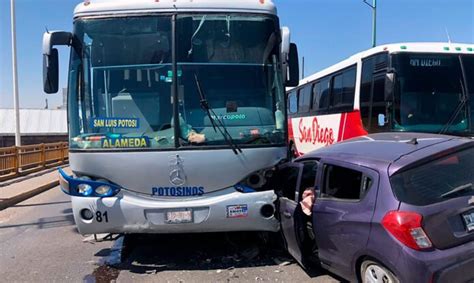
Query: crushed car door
288,180
294,179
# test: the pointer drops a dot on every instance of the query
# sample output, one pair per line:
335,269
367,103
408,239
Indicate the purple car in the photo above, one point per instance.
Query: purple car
391,207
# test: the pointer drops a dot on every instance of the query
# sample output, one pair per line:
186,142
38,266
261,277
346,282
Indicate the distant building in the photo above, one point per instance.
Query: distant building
36,126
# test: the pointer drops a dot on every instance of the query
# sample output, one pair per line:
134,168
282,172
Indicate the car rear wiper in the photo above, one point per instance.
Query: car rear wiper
458,189
218,126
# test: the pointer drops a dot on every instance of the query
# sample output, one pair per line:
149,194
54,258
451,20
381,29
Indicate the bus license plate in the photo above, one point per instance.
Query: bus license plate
179,217
469,220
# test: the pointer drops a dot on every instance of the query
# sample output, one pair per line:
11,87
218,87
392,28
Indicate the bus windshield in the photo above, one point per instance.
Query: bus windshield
121,81
430,89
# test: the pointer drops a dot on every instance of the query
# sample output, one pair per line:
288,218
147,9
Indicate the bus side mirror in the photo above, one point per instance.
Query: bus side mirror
390,81
293,78
50,58
51,72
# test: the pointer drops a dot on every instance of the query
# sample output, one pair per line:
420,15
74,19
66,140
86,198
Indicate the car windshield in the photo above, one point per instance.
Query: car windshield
121,81
430,89
444,178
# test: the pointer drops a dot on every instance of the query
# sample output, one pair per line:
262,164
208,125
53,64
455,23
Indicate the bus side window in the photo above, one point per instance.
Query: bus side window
365,90
344,90
324,97
316,95
372,91
292,103
337,90
348,93
378,103
304,99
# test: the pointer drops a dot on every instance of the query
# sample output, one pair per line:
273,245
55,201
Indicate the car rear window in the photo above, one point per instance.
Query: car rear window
448,177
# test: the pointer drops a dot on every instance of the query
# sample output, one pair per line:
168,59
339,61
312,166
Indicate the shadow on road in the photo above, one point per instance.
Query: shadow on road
46,222
155,253
40,204
152,254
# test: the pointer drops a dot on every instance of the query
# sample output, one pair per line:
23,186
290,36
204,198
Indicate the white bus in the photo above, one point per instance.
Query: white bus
176,114
417,87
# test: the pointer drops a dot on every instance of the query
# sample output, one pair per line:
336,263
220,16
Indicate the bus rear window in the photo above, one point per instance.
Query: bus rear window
448,177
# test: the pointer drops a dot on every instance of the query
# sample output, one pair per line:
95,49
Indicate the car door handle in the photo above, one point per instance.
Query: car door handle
287,214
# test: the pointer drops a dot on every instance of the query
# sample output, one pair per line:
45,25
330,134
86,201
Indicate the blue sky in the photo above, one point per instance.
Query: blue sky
326,32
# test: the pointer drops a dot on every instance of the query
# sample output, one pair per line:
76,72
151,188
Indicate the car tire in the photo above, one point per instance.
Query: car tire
374,272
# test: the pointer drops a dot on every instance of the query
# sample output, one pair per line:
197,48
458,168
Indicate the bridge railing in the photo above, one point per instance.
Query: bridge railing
21,160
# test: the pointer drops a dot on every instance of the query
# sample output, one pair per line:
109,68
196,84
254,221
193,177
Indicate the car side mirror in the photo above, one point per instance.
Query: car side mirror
51,72
390,81
293,78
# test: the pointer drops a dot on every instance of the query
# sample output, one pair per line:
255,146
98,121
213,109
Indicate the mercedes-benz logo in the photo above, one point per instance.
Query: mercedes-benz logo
177,178
177,174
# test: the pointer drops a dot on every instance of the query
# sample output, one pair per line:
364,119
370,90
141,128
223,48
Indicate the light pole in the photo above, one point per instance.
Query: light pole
16,101
374,21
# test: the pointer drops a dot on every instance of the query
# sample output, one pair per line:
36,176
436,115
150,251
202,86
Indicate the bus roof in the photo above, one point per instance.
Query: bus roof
408,47
111,7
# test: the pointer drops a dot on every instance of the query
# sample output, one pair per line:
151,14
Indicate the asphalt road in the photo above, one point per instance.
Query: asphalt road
39,242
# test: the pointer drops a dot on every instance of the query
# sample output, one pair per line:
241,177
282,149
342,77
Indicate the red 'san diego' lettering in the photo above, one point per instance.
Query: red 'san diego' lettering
316,133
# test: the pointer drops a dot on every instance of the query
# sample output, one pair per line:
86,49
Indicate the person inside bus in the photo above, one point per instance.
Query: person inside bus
188,133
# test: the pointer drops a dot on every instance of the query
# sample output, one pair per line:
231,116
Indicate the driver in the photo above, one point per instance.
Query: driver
188,133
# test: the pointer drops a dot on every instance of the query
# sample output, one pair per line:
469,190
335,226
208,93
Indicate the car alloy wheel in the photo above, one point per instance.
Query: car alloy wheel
373,272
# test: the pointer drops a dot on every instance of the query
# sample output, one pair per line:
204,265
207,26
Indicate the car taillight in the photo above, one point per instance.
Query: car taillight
407,228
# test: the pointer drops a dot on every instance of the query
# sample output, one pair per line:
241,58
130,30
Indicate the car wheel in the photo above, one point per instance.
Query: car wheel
374,272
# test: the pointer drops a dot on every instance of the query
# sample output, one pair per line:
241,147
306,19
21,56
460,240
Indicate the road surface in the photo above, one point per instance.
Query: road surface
39,243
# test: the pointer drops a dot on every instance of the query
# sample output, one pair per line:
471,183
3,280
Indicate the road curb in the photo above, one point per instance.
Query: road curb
26,195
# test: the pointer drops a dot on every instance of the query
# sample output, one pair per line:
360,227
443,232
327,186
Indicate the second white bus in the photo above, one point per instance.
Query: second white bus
417,87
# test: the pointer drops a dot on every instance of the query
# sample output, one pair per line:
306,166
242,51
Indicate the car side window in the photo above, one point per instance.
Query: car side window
344,183
308,178
287,182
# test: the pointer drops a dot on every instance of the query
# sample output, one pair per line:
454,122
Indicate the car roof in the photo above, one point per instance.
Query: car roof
389,152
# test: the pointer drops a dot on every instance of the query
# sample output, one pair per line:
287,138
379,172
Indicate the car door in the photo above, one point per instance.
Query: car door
343,212
294,178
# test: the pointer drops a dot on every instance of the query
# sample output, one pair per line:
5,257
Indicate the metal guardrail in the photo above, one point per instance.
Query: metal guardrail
21,160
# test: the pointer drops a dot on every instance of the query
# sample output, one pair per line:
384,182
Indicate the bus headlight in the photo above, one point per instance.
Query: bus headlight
86,187
103,190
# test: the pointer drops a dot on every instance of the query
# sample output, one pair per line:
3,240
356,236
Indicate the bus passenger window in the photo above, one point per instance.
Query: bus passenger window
344,90
292,103
316,95
337,90
324,98
304,99
348,84
365,90
372,91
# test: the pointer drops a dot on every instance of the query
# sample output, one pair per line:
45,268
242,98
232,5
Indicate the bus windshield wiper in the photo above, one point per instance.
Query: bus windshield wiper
462,103
458,189
218,126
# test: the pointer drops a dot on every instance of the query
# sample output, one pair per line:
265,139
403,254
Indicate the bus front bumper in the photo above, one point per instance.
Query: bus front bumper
227,211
